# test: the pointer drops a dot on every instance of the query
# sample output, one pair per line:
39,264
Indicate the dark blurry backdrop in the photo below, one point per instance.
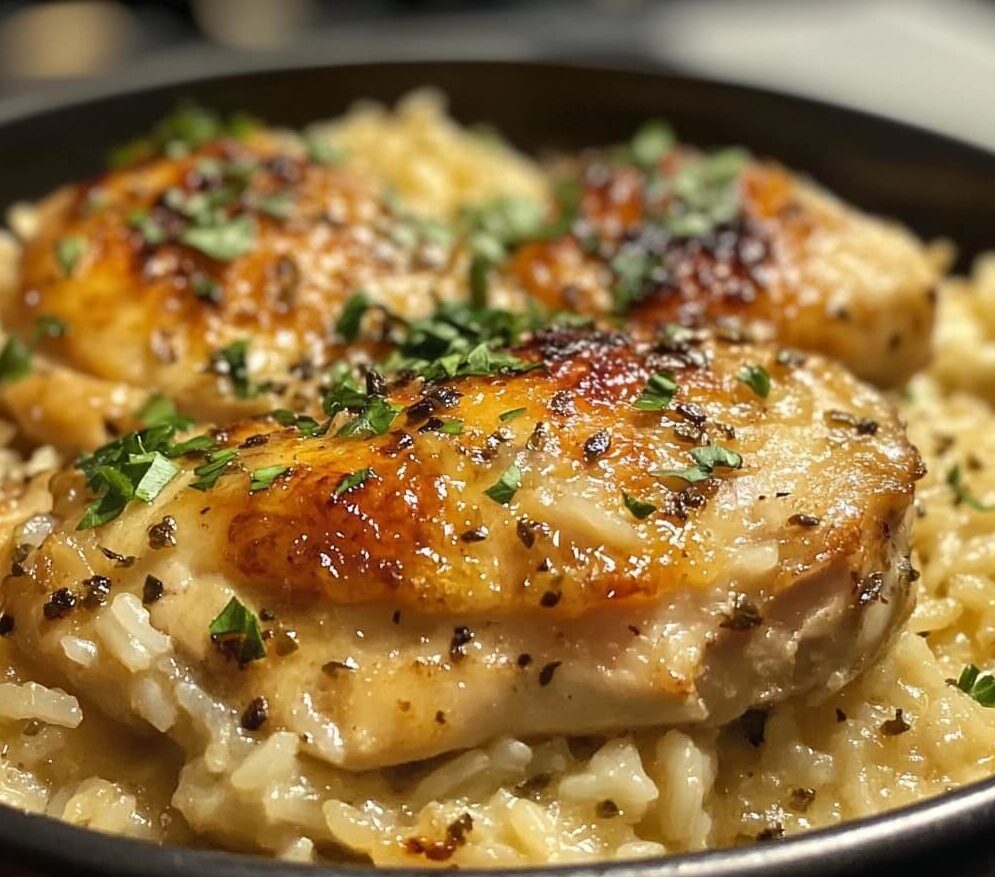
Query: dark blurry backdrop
926,61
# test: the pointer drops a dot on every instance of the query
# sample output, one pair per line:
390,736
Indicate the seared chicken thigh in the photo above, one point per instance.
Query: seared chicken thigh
227,273
586,534
663,233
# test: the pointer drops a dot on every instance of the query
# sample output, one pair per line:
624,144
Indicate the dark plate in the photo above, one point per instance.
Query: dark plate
936,185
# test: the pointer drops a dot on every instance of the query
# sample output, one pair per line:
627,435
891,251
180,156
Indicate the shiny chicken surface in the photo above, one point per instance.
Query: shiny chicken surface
598,533
218,276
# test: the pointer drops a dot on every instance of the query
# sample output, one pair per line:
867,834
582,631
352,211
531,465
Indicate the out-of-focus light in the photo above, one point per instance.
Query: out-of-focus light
56,40
254,24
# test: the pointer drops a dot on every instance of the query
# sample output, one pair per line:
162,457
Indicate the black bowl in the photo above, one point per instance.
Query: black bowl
934,184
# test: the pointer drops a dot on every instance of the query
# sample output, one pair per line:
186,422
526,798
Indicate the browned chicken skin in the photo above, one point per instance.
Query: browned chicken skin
158,269
539,569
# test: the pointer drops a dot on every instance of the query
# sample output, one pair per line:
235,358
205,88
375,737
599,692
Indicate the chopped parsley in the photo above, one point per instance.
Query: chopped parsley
222,240
706,460
977,685
636,272
707,194
353,479
506,486
278,205
322,151
307,426
756,377
122,472
348,323
452,427
159,409
216,465
954,480
232,361
513,414
658,392
236,630
68,252
653,141
639,508
48,326
374,419
15,359
262,479
184,130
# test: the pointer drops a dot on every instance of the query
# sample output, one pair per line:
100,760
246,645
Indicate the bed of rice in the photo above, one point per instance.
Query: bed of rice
563,800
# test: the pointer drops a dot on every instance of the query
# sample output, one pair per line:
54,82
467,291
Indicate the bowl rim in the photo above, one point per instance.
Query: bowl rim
837,849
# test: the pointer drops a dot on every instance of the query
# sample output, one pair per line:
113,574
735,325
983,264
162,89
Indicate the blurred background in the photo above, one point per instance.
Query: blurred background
931,62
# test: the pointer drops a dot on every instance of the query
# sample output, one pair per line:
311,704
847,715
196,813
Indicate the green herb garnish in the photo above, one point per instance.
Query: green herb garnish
452,427
706,459
658,392
15,359
506,486
222,241
159,409
348,323
68,252
374,419
954,480
262,479
49,326
513,414
638,507
354,479
979,686
307,426
216,465
651,142
756,377
237,627
232,361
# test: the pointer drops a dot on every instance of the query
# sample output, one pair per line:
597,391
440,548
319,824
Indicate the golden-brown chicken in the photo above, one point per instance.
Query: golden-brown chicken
587,534
217,276
220,273
663,233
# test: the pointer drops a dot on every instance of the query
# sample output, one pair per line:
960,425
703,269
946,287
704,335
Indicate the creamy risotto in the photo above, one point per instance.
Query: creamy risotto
901,731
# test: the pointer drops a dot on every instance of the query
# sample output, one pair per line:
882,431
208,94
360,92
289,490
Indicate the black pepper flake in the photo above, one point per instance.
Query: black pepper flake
457,645
526,532
598,444
152,590
375,384
97,588
772,832
550,599
255,441
256,714
6,624
60,604
840,715
742,615
894,727
754,724
477,534
606,809
546,673
803,520
120,560
690,411
163,534
866,426
18,556
440,717
801,799
396,617
524,660
431,425
333,668
456,831
267,615
869,589
539,438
